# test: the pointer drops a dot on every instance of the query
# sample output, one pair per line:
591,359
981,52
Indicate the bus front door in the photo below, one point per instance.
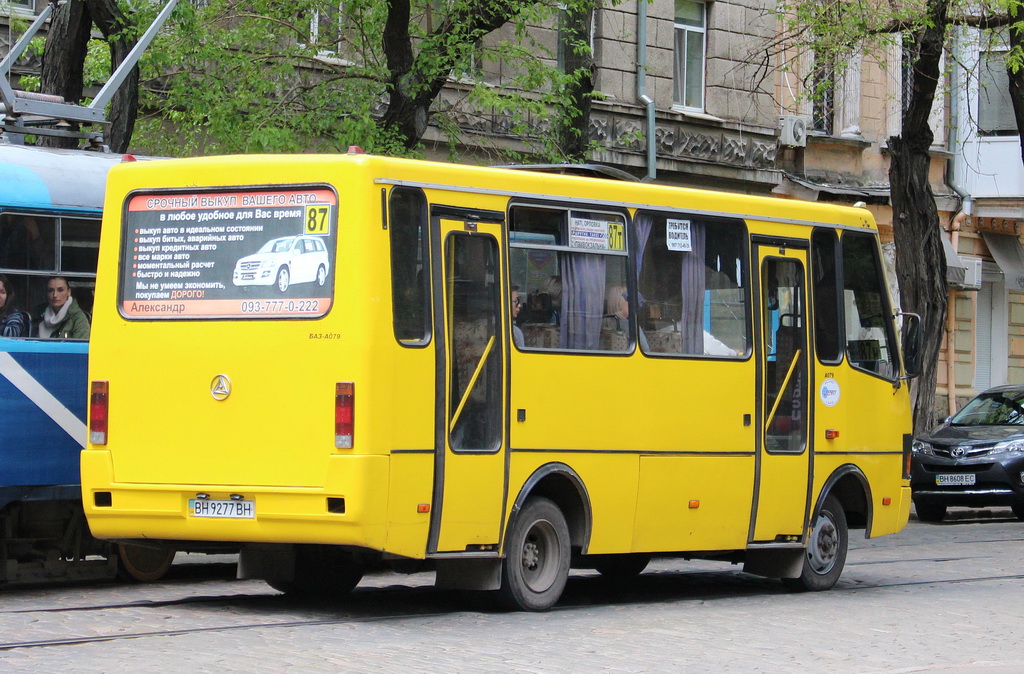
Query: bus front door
782,483
471,362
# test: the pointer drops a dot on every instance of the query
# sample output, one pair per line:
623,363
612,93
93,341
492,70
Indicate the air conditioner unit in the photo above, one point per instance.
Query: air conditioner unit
972,277
794,131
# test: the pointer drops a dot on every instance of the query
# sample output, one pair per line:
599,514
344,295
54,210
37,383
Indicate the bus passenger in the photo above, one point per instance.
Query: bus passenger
60,317
516,304
13,323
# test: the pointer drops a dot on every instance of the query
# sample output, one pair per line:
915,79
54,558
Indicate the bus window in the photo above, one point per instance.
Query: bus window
409,269
869,337
825,272
475,405
570,265
692,286
785,378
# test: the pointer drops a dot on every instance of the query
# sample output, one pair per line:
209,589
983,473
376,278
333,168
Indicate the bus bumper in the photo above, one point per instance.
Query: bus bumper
350,509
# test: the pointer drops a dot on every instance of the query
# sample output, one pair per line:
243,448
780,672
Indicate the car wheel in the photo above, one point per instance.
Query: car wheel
283,279
825,555
536,564
929,512
321,275
1018,510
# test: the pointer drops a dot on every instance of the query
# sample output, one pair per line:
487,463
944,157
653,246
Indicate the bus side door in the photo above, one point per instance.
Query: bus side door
782,482
470,435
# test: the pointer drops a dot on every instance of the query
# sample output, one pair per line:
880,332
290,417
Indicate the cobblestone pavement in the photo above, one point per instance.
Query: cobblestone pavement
934,598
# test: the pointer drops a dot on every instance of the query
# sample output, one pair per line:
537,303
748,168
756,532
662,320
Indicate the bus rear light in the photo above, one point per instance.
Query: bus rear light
99,403
344,414
831,434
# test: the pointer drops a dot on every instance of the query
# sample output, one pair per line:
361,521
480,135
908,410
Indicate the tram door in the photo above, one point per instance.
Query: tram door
783,462
472,355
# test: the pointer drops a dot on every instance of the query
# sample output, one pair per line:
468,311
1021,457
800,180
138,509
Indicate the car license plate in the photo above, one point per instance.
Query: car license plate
955,479
239,510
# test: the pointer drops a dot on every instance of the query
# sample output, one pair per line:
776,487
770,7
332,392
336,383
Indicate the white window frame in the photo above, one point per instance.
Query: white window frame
314,32
681,35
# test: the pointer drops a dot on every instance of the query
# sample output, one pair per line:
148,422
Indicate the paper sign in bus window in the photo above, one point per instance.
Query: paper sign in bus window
677,235
587,233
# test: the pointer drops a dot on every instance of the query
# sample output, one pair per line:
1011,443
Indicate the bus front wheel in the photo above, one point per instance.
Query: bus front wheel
825,555
536,564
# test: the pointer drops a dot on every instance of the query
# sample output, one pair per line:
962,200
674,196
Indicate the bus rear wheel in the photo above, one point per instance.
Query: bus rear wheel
536,564
144,564
826,550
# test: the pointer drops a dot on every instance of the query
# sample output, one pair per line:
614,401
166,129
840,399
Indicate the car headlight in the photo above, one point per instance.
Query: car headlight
922,447
1010,446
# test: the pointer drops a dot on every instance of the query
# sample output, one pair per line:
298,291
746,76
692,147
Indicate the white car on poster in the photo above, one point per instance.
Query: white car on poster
283,262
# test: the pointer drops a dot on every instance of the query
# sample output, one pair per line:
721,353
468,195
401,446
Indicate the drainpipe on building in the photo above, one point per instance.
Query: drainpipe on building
954,232
954,239
641,85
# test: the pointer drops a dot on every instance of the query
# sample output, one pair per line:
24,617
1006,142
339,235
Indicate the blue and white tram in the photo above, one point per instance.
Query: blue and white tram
50,209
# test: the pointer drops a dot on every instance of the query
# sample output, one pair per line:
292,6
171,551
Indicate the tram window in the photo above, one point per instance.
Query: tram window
869,337
692,285
80,244
27,242
409,267
825,272
570,268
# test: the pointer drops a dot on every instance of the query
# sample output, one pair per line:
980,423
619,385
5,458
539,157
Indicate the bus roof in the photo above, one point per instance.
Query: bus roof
34,177
184,173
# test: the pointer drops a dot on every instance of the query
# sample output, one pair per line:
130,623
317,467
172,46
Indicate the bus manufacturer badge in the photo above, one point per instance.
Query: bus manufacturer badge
829,392
220,387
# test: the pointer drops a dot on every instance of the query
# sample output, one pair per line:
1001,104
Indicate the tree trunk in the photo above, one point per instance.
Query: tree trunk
64,60
920,262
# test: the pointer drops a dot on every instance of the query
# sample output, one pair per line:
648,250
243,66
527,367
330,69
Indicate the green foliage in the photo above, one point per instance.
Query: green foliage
239,76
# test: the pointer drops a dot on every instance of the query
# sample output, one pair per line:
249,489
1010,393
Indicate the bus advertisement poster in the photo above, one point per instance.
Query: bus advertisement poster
225,253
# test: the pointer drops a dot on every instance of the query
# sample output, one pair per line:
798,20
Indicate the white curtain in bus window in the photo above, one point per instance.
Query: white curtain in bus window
27,243
869,336
570,266
692,291
786,346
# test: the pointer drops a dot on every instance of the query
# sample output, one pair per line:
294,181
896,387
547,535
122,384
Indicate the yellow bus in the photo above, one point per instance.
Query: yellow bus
338,361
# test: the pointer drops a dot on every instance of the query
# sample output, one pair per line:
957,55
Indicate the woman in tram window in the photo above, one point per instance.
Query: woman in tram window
60,317
13,323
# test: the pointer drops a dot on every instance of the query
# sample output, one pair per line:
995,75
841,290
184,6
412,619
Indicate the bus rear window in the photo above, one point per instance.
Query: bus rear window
245,253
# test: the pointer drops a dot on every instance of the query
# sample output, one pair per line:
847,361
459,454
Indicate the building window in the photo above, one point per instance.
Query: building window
690,44
325,29
995,110
823,96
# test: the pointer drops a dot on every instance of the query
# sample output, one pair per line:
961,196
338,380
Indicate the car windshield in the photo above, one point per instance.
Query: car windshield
995,408
277,245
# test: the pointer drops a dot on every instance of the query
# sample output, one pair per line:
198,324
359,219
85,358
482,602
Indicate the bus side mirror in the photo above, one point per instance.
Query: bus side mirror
913,345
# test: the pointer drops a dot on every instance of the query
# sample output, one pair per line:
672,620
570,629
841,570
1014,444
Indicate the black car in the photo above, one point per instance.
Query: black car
974,459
